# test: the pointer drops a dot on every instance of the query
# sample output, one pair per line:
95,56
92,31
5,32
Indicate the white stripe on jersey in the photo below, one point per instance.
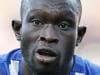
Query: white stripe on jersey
14,67
79,73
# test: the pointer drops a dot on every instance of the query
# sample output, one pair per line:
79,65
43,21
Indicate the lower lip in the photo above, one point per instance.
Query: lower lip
44,59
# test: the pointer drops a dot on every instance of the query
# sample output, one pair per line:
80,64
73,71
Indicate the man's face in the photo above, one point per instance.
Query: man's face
48,34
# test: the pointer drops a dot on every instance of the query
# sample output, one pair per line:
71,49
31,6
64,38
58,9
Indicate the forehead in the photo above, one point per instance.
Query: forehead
60,4
49,6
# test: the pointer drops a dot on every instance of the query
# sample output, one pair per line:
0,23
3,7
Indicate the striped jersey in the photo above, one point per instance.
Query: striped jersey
11,64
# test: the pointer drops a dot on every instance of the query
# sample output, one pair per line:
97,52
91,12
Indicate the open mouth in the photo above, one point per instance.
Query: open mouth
45,55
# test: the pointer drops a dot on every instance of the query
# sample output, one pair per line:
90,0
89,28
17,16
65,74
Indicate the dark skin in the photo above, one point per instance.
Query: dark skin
48,34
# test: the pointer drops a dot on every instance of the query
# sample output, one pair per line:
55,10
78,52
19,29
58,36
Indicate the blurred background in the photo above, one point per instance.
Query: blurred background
90,46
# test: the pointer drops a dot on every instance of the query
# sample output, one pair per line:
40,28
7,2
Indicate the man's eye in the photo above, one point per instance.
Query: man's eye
36,22
63,25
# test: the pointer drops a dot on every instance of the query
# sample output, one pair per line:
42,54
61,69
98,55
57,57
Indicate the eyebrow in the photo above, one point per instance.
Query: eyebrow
66,16
63,15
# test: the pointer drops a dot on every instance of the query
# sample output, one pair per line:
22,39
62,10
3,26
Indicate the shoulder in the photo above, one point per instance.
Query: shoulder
12,55
91,68
85,67
6,60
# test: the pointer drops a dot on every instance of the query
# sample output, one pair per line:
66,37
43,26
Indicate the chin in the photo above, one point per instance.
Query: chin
42,66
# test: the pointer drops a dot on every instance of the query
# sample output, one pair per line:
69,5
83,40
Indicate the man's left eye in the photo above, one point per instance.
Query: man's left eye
63,25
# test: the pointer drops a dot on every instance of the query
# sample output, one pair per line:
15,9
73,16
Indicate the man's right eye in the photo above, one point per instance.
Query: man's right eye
35,22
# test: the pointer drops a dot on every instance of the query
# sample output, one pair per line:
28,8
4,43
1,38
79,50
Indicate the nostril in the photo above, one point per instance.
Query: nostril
52,41
49,40
42,39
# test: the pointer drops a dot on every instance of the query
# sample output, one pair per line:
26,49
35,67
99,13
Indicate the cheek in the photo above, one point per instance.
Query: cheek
28,42
28,48
29,36
67,45
68,40
67,48
66,51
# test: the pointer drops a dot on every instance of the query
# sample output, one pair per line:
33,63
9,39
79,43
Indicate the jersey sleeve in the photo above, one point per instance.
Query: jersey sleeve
92,69
4,68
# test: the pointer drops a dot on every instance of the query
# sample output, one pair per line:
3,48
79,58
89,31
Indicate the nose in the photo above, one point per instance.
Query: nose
49,35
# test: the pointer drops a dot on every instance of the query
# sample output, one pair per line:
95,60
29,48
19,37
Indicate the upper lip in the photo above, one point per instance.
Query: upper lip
46,51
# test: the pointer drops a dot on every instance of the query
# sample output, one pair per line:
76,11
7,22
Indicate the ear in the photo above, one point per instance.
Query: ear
81,32
16,25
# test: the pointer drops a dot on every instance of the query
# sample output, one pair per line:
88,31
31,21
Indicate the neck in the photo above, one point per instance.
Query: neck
62,71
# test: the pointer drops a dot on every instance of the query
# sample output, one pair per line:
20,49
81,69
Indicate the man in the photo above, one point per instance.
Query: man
48,33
